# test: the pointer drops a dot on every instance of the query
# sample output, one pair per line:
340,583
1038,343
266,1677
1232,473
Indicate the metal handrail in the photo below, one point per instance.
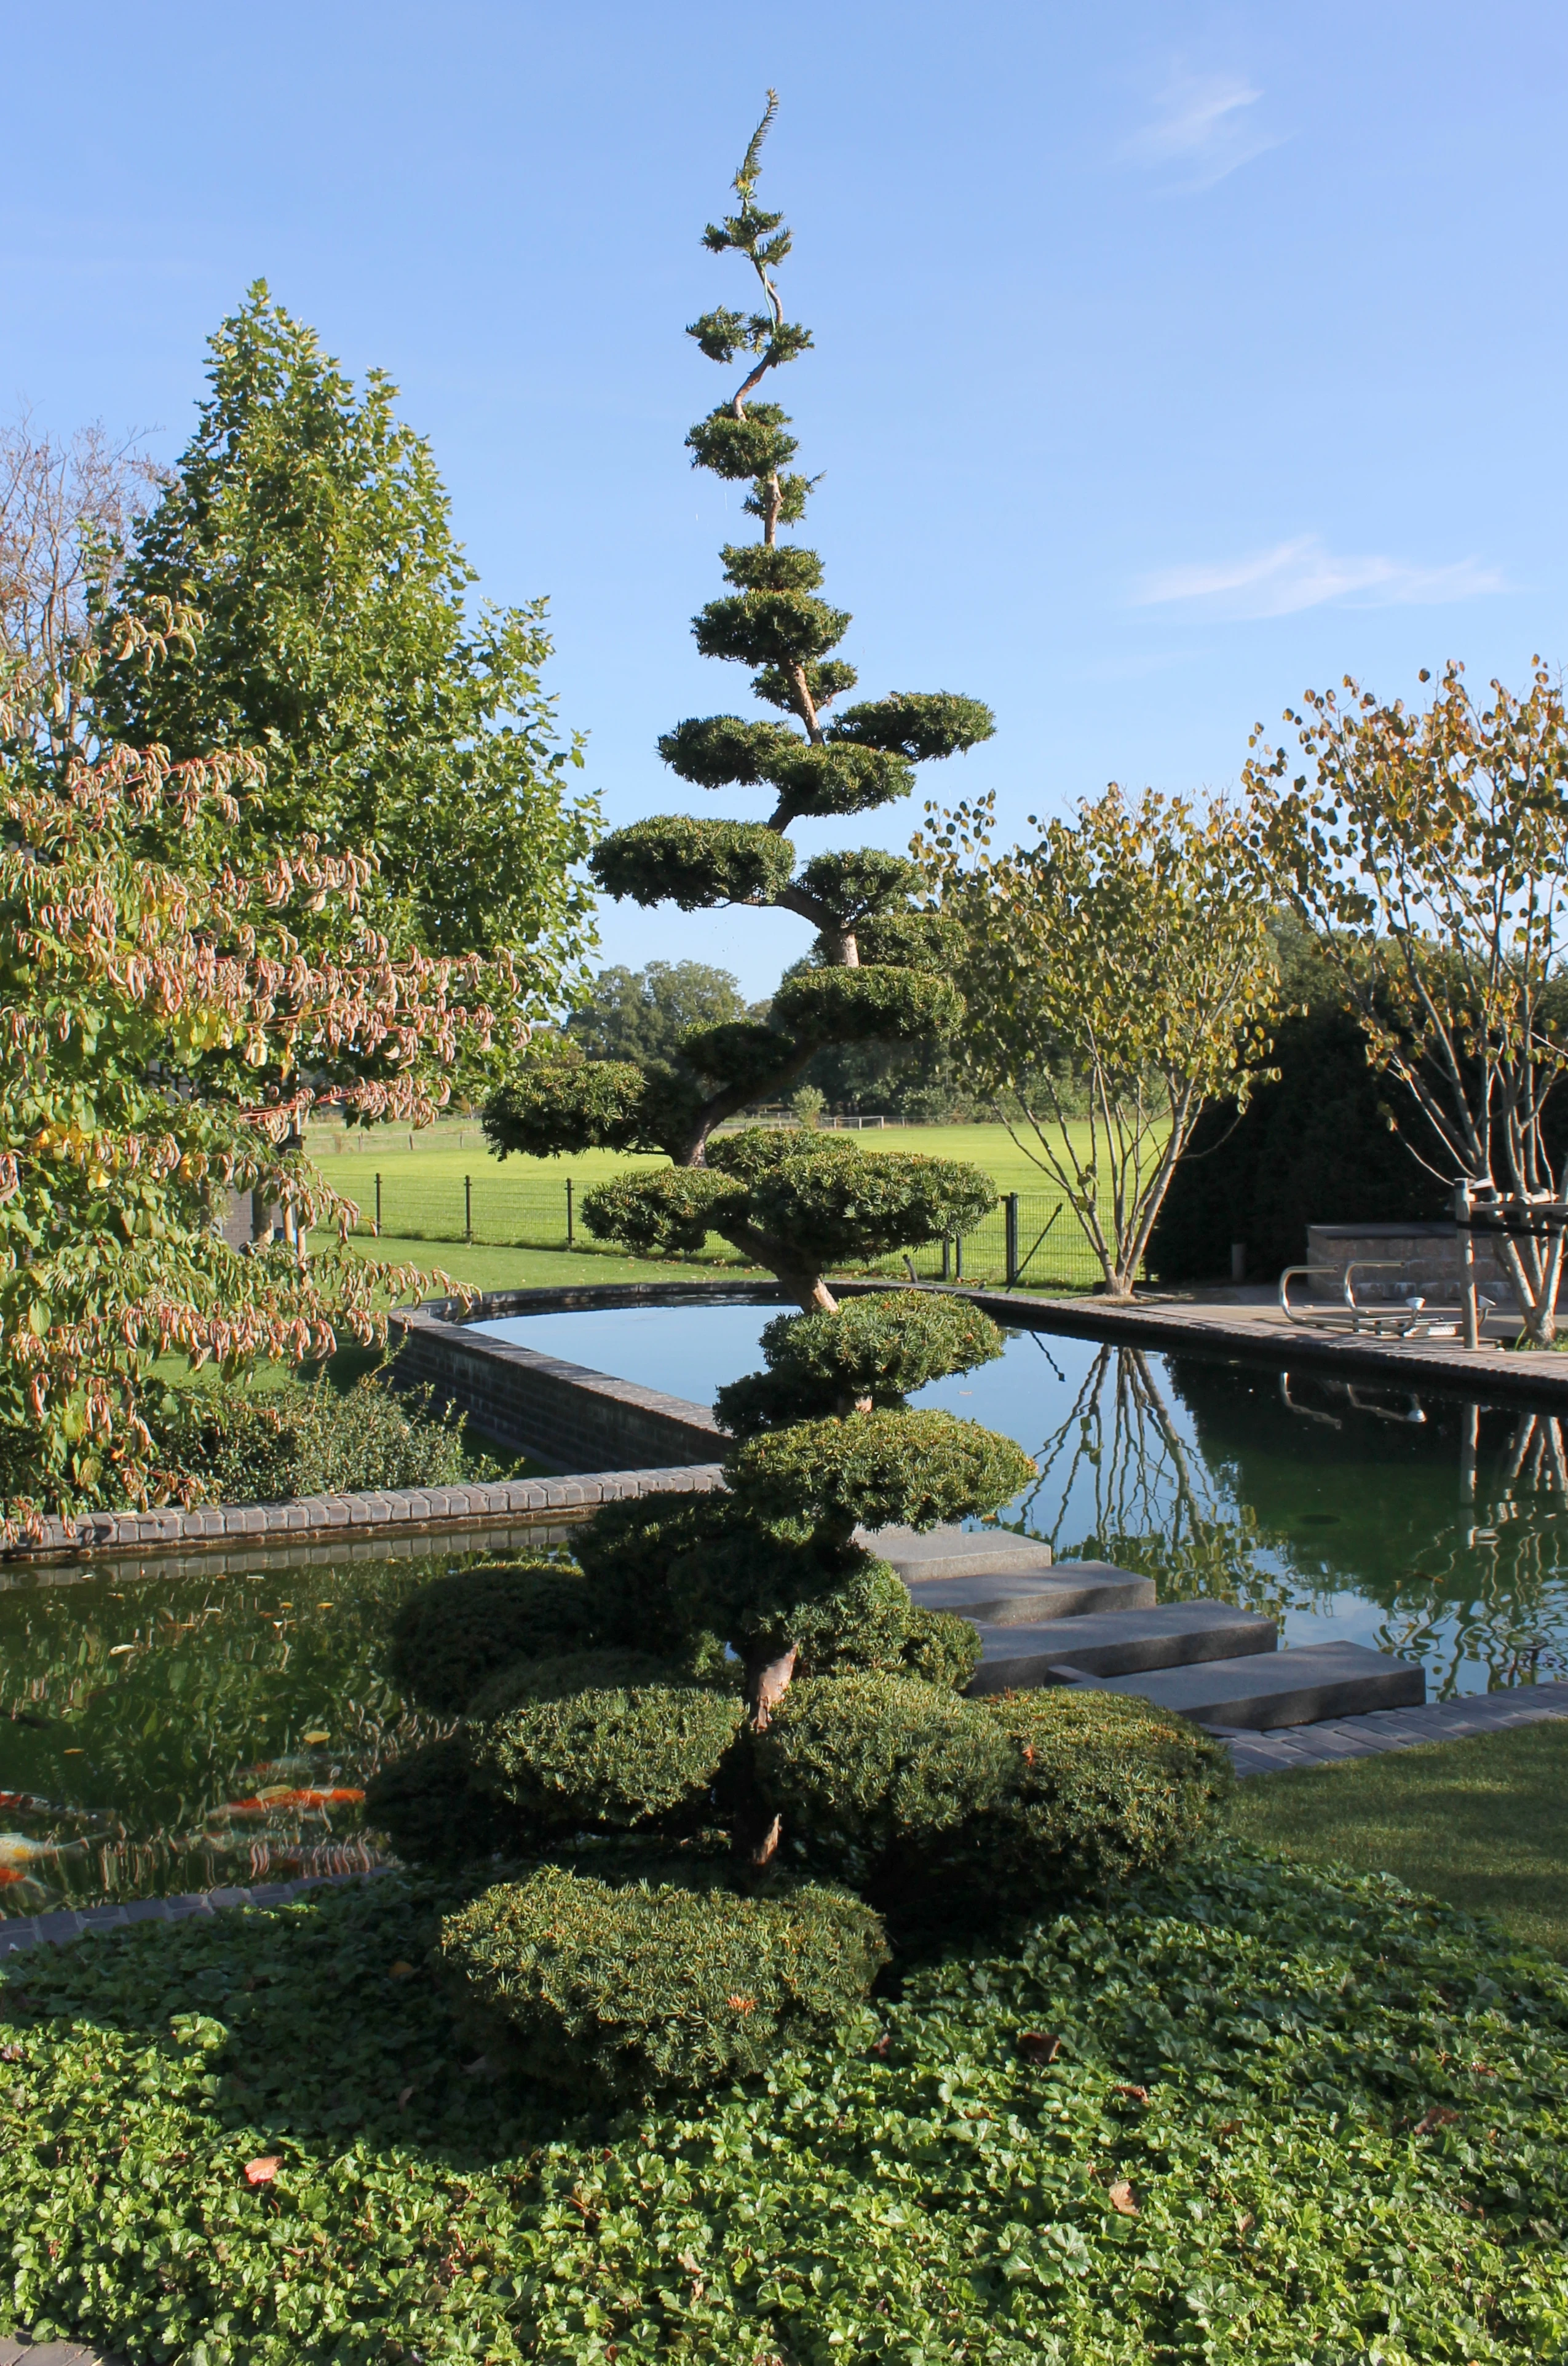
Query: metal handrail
1414,1315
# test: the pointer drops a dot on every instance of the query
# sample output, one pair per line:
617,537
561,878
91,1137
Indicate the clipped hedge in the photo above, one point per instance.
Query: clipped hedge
617,1756
614,1991
869,1767
881,1347
879,1469
427,1805
451,1636
1104,1786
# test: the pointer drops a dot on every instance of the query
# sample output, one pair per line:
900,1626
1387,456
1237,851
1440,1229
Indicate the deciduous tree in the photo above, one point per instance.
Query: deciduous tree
1428,845
1118,976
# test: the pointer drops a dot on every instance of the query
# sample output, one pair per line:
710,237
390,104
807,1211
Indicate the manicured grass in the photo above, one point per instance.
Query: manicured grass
1249,2115
1481,1824
456,1146
517,1269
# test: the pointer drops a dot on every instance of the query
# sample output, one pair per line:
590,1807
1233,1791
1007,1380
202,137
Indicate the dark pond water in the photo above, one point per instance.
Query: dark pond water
1431,1527
159,1734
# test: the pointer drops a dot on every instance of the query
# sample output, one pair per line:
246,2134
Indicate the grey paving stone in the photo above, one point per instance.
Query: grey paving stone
1272,1688
1116,1642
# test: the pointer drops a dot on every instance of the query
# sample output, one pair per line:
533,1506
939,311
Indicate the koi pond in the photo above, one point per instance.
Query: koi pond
163,1732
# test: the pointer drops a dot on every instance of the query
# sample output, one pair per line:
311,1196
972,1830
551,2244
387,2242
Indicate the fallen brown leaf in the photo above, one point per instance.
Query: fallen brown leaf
1439,2116
1138,2094
1120,2196
400,1970
1039,2045
261,2171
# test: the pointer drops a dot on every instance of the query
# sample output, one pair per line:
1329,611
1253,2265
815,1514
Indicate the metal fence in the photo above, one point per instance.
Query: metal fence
1030,1240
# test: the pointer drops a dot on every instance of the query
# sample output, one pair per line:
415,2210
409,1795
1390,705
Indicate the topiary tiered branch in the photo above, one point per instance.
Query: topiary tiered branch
876,974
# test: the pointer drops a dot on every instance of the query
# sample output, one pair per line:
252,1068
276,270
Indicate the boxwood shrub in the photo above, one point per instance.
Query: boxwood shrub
428,1805
450,1637
614,1755
1103,1787
618,1990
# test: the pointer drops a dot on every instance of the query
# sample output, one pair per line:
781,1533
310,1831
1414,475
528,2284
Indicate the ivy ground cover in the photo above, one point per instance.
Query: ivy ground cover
1255,2112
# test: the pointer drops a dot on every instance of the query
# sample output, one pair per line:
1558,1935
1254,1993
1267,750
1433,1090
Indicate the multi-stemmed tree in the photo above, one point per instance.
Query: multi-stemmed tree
721,1745
876,969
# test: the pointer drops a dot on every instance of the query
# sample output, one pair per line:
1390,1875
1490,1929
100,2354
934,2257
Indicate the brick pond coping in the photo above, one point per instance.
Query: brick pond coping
1254,1754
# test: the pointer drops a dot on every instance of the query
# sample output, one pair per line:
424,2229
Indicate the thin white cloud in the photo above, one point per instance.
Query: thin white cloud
1305,574
1201,129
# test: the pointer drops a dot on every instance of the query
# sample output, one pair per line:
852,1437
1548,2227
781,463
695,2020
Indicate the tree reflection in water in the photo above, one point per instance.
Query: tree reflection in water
1427,1525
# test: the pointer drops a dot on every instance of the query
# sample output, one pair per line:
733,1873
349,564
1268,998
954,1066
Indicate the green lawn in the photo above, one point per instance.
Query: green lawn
453,1147
482,1268
1481,1824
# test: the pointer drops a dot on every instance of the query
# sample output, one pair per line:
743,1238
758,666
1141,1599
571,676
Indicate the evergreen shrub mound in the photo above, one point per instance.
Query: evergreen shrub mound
614,1991
526,1680
1104,1788
269,1445
430,1809
617,1756
452,1635
875,1351
869,1768
790,1714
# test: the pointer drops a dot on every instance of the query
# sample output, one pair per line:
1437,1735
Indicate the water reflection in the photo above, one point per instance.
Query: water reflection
159,1736
1424,1523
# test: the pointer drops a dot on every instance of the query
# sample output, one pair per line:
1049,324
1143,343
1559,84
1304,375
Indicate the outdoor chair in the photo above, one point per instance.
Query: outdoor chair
1412,1316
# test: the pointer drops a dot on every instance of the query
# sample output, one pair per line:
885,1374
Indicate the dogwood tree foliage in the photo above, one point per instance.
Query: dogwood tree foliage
164,1030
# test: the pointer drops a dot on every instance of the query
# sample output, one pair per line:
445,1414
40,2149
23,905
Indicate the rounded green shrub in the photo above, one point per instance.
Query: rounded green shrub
627,1551
1101,1786
430,1810
618,1756
558,1676
940,1648
451,1636
862,1623
880,1346
879,1469
751,1583
619,1990
869,1768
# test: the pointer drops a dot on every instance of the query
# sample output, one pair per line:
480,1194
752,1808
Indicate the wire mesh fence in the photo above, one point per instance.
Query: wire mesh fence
1031,1239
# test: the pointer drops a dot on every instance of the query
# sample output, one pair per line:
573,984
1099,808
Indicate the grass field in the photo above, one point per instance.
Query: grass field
443,1186
481,1266
1481,1824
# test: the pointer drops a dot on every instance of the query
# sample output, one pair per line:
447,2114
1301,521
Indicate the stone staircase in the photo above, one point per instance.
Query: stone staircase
1087,1624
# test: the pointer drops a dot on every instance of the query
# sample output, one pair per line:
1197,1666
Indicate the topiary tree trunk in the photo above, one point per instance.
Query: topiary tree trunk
877,964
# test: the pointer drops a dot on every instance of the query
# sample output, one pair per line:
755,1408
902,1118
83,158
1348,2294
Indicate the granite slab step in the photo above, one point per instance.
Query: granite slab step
1118,1643
1265,1689
955,1552
996,1598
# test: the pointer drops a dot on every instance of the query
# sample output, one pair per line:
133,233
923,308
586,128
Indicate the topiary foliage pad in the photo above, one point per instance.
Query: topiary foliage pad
610,1992
454,1634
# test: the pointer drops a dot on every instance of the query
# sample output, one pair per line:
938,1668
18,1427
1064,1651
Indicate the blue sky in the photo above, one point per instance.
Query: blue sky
1168,359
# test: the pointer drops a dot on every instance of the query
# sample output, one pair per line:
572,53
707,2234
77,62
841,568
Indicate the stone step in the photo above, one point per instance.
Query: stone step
1272,1688
1117,1643
955,1552
998,1599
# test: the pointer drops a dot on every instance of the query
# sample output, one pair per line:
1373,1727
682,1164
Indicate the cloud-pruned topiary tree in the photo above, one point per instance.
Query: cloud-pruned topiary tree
718,1760
878,963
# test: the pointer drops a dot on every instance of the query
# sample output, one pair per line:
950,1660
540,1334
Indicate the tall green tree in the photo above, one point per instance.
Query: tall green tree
308,527
642,1014
878,975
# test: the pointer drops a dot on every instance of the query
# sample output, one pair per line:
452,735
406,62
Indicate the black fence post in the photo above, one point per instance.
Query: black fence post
1010,1209
469,1207
568,1211
946,1256
378,1207
958,1256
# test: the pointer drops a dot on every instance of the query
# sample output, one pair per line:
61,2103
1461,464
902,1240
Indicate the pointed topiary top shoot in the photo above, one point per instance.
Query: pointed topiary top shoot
876,967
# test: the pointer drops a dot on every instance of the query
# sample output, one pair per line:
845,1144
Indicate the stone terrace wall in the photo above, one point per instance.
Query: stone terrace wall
563,1413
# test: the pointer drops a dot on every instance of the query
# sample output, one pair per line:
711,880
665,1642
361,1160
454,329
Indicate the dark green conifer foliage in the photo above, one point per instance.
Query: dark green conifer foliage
879,982
751,1700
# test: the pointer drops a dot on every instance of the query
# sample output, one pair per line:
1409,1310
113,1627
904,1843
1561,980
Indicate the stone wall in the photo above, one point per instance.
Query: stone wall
1428,1252
565,1415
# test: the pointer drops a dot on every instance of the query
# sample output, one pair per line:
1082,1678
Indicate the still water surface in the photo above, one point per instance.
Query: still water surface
162,1734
